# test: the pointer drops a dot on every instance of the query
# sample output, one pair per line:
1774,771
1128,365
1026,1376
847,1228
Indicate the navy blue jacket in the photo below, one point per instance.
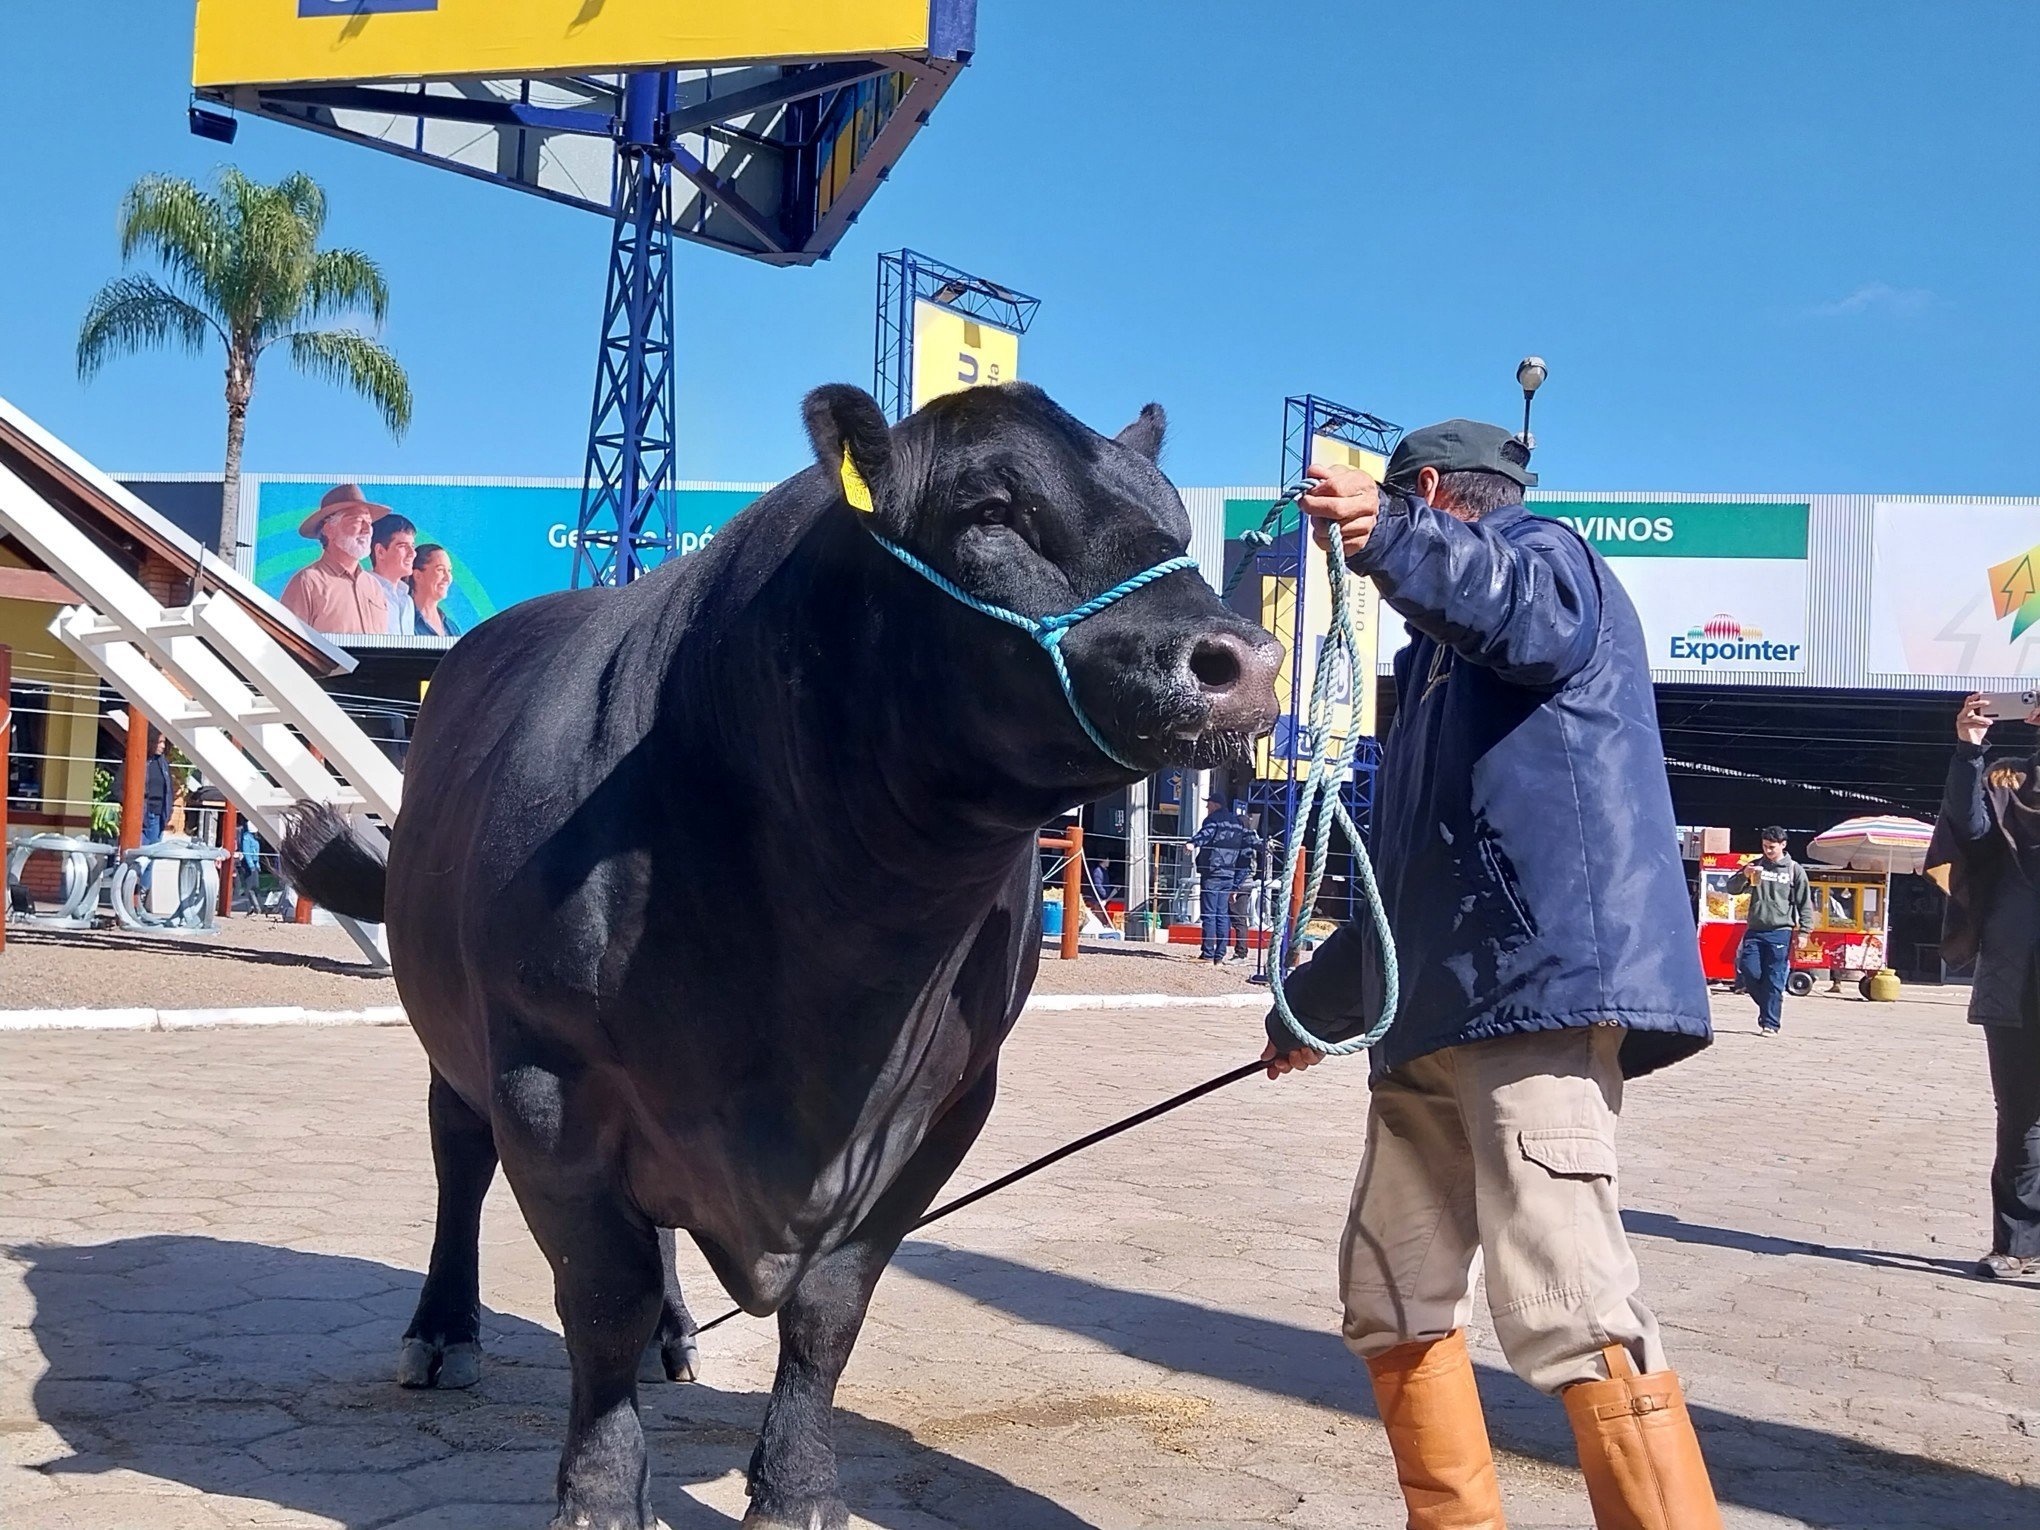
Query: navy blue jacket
1523,829
1225,846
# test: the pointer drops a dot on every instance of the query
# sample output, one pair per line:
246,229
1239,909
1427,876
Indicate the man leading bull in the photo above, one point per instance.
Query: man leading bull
1525,847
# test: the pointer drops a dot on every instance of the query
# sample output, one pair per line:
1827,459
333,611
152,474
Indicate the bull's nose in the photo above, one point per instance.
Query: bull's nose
1236,677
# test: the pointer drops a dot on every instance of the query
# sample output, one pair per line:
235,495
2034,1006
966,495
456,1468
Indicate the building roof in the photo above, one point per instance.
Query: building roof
139,536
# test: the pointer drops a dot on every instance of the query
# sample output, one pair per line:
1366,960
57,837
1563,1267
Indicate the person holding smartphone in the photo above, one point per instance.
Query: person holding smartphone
1781,902
1986,857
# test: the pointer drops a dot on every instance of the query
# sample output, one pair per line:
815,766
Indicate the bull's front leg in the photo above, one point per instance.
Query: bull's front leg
793,1471
607,1284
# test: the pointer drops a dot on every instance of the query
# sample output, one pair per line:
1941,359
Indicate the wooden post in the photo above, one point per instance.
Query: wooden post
1073,894
6,730
230,831
134,779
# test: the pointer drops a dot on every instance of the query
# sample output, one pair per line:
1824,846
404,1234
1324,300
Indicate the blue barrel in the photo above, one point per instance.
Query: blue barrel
1051,916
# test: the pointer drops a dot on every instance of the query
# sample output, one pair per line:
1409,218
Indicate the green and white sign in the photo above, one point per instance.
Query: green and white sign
1720,587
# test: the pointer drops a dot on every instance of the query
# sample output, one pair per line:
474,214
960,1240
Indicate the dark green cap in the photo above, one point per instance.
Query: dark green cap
1460,446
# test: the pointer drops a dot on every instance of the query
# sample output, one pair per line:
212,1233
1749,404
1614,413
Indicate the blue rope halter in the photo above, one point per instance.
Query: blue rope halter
1049,631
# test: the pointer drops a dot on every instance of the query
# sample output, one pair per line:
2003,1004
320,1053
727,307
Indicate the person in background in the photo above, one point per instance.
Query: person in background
334,593
248,849
1527,860
431,578
1986,857
1250,902
159,789
1781,904
1225,849
393,548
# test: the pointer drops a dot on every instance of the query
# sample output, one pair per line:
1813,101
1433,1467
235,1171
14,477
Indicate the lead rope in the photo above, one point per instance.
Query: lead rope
1319,805
1329,766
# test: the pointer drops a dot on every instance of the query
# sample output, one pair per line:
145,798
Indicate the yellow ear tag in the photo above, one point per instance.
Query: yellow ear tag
854,488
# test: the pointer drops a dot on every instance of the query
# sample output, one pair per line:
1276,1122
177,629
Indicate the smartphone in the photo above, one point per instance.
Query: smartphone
2013,706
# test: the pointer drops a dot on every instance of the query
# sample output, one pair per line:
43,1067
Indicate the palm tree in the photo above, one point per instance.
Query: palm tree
243,264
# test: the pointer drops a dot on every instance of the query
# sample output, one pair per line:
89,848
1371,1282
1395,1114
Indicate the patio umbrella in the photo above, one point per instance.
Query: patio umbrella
1887,844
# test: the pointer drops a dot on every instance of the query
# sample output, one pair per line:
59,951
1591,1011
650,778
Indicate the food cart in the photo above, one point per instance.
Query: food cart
1851,903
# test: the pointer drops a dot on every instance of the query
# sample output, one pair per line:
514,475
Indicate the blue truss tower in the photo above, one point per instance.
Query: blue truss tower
626,521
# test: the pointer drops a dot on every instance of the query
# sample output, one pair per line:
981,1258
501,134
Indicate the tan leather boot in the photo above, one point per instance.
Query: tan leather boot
1431,1409
1638,1450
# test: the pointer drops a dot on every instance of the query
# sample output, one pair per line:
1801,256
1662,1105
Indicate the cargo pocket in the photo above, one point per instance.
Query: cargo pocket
1570,1152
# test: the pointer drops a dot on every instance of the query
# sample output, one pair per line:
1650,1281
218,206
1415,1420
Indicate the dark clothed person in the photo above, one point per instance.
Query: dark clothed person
158,790
1226,848
1986,857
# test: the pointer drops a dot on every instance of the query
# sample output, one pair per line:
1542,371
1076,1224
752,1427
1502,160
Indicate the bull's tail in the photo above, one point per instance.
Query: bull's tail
333,863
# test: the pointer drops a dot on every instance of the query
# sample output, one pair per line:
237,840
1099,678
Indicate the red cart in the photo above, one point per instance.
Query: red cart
1850,912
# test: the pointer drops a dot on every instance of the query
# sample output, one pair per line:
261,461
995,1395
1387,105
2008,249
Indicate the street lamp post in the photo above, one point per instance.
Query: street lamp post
1530,373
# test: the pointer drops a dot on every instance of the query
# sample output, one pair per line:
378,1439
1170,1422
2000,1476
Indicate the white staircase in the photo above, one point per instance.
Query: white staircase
210,677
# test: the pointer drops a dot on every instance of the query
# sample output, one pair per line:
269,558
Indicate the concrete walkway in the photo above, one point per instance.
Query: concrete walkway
212,1241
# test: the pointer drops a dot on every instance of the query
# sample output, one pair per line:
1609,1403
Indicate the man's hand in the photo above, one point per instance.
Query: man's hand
1342,497
1973,722
1293,1062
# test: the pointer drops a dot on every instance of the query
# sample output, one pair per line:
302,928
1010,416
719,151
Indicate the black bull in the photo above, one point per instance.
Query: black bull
713,898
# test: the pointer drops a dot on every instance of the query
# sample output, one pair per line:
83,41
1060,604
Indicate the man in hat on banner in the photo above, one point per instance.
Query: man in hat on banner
1524,843
334,593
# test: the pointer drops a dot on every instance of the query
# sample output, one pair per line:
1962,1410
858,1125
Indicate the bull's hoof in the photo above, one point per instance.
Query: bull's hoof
432,1363
671,1360
818,1514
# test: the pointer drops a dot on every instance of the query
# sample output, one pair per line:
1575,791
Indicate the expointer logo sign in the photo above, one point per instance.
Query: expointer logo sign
1719,585
1722,639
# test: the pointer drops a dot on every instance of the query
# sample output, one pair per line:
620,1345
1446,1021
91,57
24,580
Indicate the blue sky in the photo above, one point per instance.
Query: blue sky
1763,247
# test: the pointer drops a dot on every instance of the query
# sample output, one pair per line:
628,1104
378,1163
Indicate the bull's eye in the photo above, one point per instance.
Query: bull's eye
996,512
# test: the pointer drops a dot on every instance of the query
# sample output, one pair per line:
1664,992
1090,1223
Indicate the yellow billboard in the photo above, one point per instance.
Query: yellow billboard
286,42
952,352
1353,687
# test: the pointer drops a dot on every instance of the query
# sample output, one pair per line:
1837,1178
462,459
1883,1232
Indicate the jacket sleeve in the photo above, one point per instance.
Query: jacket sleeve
1530,610
1334,993
1964,814
1738,884
1802,900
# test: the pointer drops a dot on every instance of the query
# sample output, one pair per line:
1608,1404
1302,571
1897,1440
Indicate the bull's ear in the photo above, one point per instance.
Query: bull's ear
1145,434
851,440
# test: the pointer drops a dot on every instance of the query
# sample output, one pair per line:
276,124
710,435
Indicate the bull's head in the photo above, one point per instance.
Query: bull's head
1020,506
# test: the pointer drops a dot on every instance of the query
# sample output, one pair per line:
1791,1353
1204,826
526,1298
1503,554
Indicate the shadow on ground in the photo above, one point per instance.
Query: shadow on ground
1803,1474
1658,1224
195,944
262,1373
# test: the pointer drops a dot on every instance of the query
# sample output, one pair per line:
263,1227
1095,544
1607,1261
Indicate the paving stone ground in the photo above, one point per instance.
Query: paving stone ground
256,960
211,1242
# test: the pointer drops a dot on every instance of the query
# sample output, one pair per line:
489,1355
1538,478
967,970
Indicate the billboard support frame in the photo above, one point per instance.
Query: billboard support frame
626,510
906,277
1305,418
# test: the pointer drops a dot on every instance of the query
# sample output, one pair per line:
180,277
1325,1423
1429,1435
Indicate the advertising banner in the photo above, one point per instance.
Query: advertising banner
1955,590
450,554
952,353
280,42
1719,586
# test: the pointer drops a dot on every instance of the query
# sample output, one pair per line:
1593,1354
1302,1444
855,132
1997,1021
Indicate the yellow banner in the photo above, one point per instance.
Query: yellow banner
952,353
1352,699
280,42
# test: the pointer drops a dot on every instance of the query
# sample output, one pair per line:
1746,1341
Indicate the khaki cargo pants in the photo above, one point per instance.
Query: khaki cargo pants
1502,1151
